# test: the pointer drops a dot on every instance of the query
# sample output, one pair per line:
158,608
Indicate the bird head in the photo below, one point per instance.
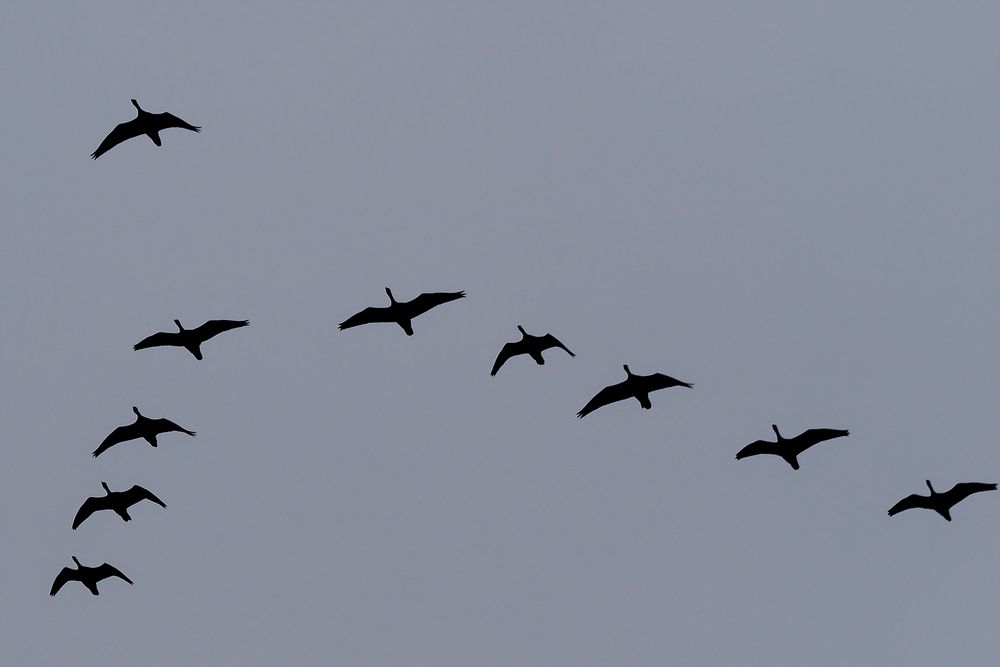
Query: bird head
523,332
180,327
628,373
136,104
930,487
136,411
105,485
776,431
77,561
389,294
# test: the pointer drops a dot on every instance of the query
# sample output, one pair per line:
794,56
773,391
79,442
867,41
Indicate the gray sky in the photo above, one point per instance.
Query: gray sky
792,205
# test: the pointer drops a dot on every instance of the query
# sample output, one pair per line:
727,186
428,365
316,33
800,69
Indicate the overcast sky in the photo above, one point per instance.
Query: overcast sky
792,205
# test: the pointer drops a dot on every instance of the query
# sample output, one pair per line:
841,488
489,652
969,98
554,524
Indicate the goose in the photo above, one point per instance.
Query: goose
400,312
117,501
633,386
530,345
88,576
190,339
142,427
146,123
790,448
941,502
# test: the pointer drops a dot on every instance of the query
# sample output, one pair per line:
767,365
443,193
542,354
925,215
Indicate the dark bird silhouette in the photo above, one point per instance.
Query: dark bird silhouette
142,427
941,502
190,339
790,448
117,501
146,123
400,312
88,576
530,345
633,386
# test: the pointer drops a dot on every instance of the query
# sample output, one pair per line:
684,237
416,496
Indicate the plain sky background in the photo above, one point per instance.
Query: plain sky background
792,205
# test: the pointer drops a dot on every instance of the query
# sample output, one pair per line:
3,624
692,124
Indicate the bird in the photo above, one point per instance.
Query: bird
146,123
790,448
530,345
633,386
142,427
941,502
88,576
190,339
400,312
117,501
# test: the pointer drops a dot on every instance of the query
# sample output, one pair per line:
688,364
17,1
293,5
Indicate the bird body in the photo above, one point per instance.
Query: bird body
941,502
88,576
633,386
146,123
143,427
533,346
190,339
400,312
790,448
116,501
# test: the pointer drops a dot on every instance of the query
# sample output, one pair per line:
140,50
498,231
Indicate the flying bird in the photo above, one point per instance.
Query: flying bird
88,576
146,123
790,448
633,386
190,339
530,345
941,502
117,501
400,312
142,427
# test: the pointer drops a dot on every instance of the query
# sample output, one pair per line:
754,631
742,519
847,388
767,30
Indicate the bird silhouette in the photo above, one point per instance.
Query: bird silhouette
790,448
146,123
530,345
117,501
633,386
142,427
941,502
400,312
88,576
189,339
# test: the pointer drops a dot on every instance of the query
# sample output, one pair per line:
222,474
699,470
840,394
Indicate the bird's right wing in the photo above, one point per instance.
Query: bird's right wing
156,340
138,493
167,119
369,315
120,434
612,394
963,490
429,300
548,340
105,570
89,506
64,575
506,352
166,426
758,447
122,132
908,503
215,327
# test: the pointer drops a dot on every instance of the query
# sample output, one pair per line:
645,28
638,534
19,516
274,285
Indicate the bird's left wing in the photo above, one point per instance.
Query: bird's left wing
138,493
64,575
611,394
429,300
105,570
548,340
215,327
122,132
167,119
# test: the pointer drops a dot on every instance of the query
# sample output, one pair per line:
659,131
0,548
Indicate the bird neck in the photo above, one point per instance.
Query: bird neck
777,432
77,561
106,489
523,332
628,373
392,299
933,492
136,105
180,327
136,411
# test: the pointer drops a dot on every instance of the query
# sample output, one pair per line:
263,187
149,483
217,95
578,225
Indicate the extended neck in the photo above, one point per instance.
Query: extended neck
180,327
628,373
388,292
523,332
136,105
136,411
933,492
776,431
106,489
77,561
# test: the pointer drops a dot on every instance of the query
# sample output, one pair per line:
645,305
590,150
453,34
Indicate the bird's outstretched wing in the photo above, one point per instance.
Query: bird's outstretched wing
65,574
807,439
166,119
506,352
158,339
166,426
429,300
137,494
105,570
548,340
369,315
759,447
122,132
612,394
963,490
120,434
661,381
908,503
89,506
215,327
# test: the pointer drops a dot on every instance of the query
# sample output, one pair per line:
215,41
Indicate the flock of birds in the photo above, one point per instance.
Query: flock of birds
403,313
